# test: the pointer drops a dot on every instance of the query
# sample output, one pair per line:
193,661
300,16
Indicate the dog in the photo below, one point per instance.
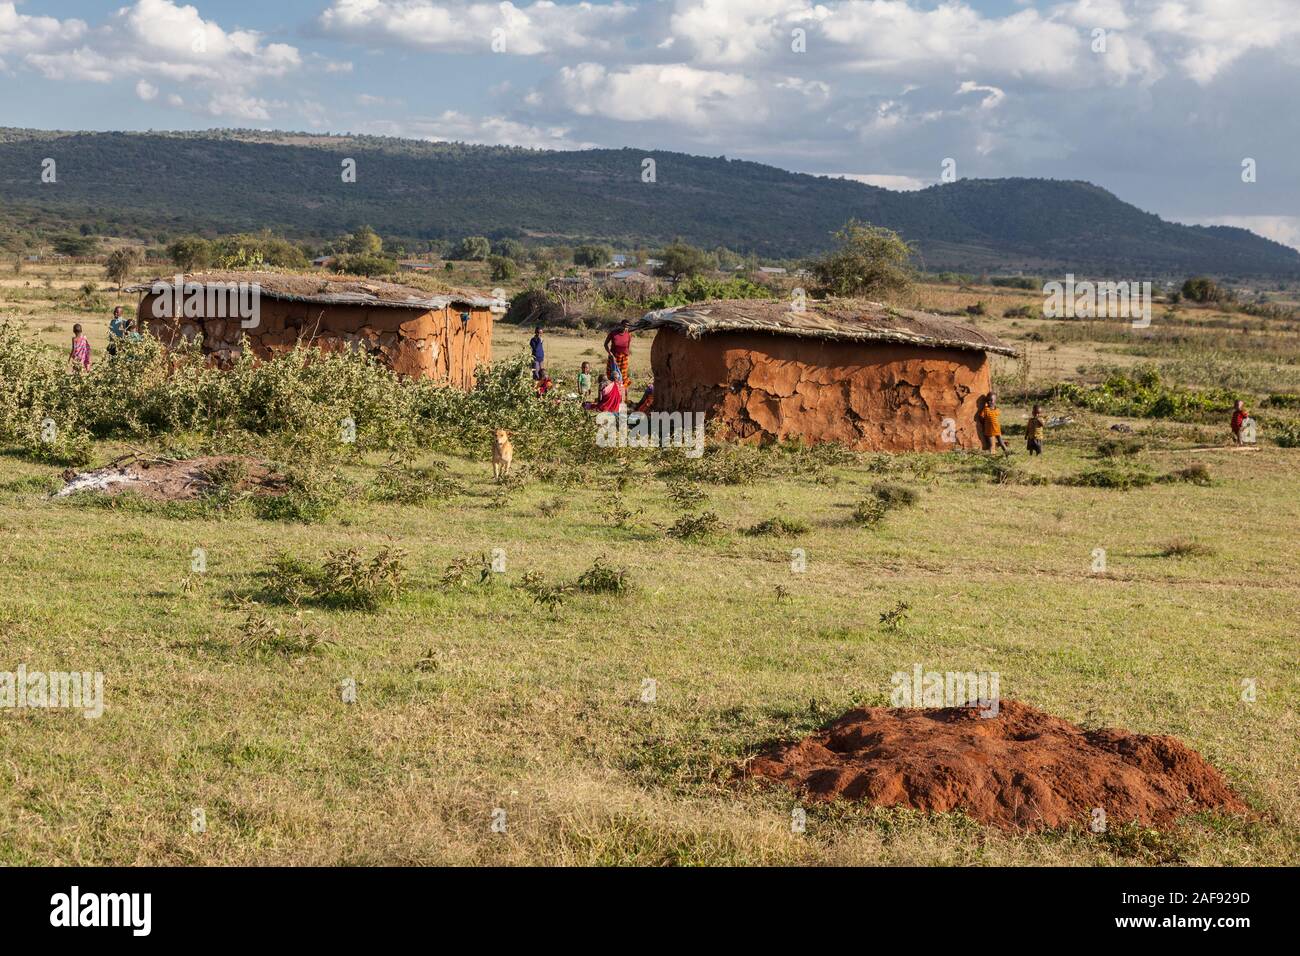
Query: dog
502,454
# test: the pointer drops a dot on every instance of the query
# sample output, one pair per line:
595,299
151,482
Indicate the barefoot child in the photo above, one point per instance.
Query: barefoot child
991,418
584,382
1034,432
79,358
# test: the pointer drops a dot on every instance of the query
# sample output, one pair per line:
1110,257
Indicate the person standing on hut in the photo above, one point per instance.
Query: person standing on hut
618,344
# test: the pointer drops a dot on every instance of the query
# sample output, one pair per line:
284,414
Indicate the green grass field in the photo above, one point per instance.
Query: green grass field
473,698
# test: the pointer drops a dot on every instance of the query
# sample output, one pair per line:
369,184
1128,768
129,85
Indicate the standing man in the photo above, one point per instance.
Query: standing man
539,352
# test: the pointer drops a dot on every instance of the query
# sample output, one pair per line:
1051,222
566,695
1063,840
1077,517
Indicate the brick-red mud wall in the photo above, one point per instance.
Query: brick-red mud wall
430,344
870,396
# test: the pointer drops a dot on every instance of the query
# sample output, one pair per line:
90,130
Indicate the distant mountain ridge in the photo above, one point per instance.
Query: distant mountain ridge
153,184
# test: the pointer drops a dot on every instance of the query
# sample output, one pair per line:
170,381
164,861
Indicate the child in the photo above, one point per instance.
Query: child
584,382
117,328
1239,416
543,384
79,359
991,418
538,350
1034,432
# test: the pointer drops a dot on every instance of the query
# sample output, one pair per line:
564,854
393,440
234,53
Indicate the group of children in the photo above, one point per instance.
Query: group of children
120,329
609,391
990,419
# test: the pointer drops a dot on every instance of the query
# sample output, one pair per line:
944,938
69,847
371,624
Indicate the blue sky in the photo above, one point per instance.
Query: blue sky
1159,101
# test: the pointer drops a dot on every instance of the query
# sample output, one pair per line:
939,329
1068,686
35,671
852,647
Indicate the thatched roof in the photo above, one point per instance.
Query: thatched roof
841,320
333,290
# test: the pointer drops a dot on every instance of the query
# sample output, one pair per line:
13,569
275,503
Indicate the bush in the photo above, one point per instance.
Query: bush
1117,447
346,579
1119,477
1196,474
896,496
1143,395
778,527
600,578
869,512
1185,548
689,527
400,483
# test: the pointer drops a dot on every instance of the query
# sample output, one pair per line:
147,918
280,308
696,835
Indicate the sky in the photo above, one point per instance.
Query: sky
1166,103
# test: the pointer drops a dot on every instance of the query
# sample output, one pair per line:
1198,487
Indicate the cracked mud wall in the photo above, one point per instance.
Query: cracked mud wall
869,396
421,344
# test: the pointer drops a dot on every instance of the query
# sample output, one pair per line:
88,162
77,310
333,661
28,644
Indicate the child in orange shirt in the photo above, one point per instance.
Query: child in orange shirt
991,418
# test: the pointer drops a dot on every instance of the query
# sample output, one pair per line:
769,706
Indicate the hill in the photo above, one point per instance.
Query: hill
157,185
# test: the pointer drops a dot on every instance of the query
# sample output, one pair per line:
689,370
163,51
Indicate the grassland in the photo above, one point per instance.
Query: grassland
473,697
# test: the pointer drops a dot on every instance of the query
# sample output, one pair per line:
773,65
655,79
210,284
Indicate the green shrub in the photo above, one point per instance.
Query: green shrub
690,527
1196,474
400,483
346,579
778,527
896,496
1118,476
601,578
1117,447
869,512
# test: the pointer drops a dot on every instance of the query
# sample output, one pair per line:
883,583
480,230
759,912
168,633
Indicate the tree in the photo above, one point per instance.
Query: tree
190,253
363,264
681,260
365,242
75,246
510,249
870,261
502,268
473,249
119,264
1202,289
592,256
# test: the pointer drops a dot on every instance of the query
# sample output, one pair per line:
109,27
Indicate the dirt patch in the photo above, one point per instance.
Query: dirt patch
1022,769
182,479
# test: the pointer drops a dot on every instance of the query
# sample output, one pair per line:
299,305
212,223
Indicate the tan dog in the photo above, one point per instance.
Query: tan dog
502,454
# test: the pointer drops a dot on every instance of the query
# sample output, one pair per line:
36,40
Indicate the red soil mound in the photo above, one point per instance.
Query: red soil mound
1021,769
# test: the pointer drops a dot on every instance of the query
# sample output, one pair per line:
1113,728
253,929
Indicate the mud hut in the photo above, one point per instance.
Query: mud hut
872,377
442,336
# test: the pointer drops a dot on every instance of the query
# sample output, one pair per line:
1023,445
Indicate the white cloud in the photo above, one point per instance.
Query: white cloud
454,126
886,181
461,27
1283,229
151,40
993,95
661,92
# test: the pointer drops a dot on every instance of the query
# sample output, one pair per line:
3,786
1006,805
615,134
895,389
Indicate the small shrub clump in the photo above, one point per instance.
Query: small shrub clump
778,527
691,527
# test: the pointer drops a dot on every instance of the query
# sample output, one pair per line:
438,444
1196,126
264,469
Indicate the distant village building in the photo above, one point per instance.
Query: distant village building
618,260
860,373
772,270
323,261
442,336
